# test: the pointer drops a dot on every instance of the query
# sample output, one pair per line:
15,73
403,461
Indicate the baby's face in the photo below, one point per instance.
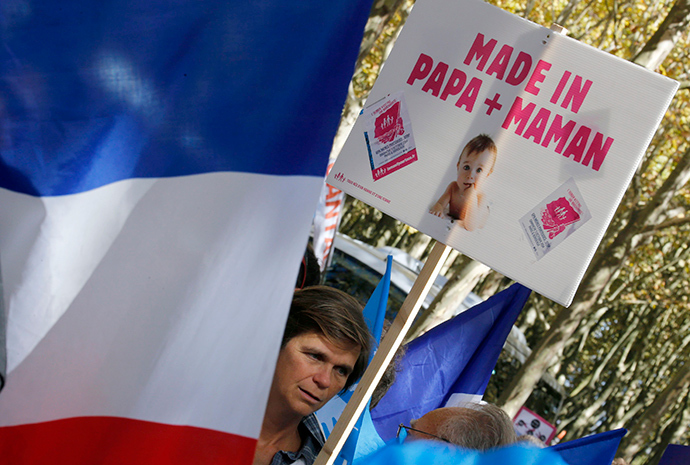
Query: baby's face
474,168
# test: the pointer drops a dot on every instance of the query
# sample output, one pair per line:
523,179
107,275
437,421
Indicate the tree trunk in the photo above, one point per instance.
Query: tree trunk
450,262
386,230
586,414
491,284
529,6
672,433
636,438
381,12
449,298
665,38
418,245
592,378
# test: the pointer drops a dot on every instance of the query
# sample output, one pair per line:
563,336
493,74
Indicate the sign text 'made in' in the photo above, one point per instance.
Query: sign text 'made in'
544,126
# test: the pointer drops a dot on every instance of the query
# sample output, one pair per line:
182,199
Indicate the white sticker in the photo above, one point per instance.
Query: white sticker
555,218
389,136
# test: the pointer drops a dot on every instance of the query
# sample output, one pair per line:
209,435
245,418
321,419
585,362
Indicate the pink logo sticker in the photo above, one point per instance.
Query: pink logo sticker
389,124
555,218
388,135
557,215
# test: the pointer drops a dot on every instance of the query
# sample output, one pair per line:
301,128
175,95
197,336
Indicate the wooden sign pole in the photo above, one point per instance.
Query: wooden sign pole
384,355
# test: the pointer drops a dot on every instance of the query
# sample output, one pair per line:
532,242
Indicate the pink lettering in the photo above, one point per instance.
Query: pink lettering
576,147
538,125
481,51
558,133
435,81
582,147
537,76
469,96
559,88
519,114
576,94
597,151
455,84
500,63
520,69
421,69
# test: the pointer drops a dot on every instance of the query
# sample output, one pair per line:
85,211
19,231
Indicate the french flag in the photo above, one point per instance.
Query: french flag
160,162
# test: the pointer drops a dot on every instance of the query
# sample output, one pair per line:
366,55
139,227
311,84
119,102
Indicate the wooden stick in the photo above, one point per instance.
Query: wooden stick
384,355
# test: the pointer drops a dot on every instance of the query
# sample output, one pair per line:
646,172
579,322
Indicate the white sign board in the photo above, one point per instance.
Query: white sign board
509,142
528,422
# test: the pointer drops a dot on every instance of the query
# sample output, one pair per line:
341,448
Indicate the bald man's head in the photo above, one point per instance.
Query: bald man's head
478,426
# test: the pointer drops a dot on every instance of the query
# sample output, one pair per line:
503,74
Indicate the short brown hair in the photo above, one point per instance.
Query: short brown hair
477,145
336,315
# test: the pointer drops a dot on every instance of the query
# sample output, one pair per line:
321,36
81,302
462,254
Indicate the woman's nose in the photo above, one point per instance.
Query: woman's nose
322,377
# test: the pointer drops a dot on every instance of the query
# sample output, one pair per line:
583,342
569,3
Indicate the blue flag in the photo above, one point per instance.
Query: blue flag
374,313
597,449
675,455
437,453
375,309
451,361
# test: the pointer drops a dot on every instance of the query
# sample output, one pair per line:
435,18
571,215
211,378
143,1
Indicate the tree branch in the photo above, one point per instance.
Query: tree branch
670,223
665,38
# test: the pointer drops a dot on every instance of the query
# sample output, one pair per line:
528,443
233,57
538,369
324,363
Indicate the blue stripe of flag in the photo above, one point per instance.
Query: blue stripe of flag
97,92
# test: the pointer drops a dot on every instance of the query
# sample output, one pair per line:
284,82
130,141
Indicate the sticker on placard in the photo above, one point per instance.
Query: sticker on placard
555,218
389,136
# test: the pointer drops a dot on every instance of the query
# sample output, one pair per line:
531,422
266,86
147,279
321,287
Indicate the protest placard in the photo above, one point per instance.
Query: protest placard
528,422
502,139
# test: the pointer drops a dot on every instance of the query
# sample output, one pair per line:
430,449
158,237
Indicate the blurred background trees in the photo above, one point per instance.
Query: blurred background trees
621,351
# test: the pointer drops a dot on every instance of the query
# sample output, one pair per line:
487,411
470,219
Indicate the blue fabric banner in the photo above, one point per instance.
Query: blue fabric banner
675,454
436,453
455,357
597,449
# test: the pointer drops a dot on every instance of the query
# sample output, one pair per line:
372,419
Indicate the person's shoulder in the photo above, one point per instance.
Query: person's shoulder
312,425
312,439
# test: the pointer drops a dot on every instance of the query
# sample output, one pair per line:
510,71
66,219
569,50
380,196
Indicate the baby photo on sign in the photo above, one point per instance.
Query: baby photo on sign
464,200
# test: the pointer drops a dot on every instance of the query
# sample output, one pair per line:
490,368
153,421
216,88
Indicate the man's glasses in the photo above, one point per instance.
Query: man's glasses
404,429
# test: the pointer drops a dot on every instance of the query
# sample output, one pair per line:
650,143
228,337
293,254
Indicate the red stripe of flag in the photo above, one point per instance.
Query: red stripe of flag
111,440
